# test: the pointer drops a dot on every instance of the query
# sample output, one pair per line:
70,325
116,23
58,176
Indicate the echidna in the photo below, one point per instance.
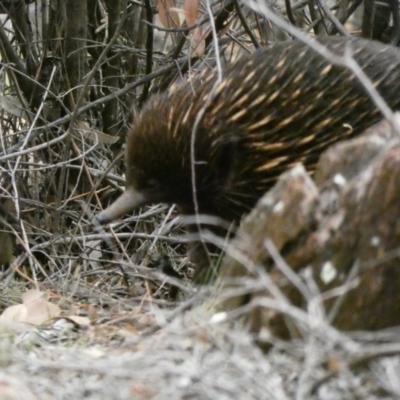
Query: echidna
226,143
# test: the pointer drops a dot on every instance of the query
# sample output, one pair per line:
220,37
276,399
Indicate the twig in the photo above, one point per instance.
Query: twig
246,26
340,28
149,50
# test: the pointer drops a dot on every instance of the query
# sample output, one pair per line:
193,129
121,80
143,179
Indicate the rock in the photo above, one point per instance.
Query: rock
339,232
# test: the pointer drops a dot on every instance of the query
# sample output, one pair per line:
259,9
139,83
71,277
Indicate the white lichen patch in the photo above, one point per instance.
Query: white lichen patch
218,317
375,241
278,207
339,180
328,272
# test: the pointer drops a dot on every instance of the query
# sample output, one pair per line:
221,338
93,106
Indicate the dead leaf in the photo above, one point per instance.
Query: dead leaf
35,310
78,320
12,105
191,8
198,43
197,35
13,387
226,28
95,135
167,13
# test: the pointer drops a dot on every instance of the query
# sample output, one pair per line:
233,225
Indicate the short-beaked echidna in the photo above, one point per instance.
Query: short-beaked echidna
226,143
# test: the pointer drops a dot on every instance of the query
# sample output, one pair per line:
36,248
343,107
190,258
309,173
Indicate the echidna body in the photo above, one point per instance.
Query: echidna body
226,143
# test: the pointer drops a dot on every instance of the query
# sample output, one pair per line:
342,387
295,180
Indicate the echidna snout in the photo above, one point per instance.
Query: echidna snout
126,203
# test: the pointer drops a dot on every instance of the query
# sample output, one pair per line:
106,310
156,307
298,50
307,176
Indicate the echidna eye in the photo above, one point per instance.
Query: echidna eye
152,184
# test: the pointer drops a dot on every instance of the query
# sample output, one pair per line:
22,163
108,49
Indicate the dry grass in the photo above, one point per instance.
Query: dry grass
141,349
